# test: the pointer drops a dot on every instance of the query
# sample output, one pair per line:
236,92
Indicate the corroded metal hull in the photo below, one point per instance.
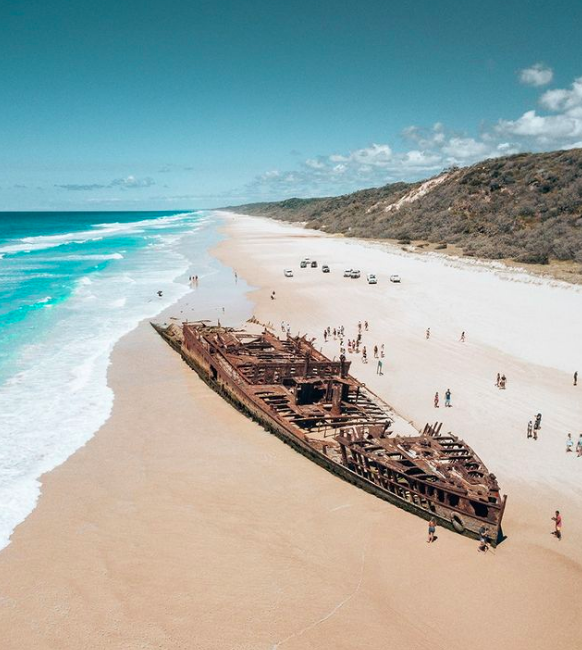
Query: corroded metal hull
314,405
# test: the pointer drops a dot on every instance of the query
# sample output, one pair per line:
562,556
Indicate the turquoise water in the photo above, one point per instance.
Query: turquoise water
71,285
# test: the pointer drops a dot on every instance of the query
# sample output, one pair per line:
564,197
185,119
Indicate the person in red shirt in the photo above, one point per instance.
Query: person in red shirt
557,519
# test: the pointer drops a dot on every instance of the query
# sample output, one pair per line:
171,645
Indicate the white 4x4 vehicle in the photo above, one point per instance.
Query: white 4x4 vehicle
348,273
355,275
371,278
288,273
395,278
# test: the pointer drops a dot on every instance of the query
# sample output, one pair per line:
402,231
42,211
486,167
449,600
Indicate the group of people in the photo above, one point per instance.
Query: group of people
570,445
355,345
484,540
462,339
533,426
501,381
483,535
447,399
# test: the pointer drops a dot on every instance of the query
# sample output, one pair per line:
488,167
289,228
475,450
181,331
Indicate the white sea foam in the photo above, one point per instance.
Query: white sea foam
60,397
99,232
98,258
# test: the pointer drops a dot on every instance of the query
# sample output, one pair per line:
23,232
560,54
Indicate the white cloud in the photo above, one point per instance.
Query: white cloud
556,125
462,149
544,128
131,182
537,75
563,100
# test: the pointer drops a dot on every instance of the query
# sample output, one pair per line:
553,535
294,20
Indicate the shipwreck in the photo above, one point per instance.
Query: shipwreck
316,406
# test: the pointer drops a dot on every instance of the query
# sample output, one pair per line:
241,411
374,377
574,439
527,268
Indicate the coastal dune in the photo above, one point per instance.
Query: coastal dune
182,524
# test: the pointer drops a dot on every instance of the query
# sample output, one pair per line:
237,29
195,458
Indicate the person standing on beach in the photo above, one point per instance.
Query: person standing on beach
379,367
569,444
529,429
579,446
427,333
448,397
557,519
576,378
364,355
483,540
375,352
498,378
366,325
462,339
382,350
436,400
431,531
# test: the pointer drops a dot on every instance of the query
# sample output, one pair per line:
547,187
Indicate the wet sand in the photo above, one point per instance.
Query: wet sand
183,525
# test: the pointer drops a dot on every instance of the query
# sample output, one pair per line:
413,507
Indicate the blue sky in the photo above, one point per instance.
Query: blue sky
154,105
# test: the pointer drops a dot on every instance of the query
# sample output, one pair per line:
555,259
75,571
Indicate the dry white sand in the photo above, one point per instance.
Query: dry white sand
184,525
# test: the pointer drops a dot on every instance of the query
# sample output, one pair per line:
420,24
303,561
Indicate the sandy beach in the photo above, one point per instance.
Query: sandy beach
181,524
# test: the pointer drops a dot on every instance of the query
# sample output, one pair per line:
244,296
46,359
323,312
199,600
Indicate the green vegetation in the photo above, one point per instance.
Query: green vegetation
526,207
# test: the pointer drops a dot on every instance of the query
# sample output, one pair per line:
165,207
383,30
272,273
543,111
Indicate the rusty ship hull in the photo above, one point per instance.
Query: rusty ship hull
313,404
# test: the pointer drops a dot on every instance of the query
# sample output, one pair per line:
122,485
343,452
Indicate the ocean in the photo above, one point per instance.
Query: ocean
71,285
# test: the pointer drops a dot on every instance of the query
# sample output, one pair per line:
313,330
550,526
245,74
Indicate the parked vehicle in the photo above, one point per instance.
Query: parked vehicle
314,264
325,268
348,273
288,273
371,278
355,275
395,278
303,264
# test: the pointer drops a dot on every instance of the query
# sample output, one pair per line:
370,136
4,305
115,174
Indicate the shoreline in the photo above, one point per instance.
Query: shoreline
181,523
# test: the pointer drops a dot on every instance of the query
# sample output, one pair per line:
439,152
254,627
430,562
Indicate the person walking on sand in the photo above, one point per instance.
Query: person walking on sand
530,429
382,350
375,352
366,325
379,367
448,397
431,531
579,446
436,400
364,355
462,339
557,519
427,333
498,378
569,444
483,540
576,378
